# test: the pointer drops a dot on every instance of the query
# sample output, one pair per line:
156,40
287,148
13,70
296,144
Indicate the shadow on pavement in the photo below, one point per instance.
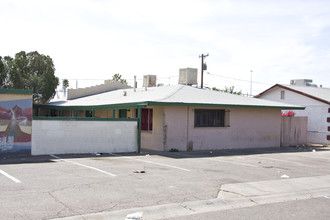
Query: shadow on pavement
26,157
237,152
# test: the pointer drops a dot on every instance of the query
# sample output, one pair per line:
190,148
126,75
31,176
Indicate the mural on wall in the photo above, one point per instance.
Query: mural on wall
15,124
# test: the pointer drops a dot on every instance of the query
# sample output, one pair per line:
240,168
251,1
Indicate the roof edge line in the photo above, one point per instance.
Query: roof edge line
224,105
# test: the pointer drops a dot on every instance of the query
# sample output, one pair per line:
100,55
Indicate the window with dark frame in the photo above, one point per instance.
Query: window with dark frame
122,113
88,113
209,118
146,119
282,94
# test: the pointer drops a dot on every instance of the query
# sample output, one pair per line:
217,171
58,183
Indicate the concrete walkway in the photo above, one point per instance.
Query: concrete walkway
230,196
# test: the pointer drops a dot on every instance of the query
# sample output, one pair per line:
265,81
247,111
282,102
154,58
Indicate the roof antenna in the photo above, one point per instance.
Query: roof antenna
134,83
251,84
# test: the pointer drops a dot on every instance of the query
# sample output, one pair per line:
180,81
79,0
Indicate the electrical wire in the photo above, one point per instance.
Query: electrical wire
238,79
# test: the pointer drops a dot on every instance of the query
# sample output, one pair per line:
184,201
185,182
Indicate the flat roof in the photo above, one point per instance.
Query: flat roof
16,91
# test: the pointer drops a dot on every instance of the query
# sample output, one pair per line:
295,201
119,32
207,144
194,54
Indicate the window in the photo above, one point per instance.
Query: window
88,113
122,113
146,119
282,94
209,118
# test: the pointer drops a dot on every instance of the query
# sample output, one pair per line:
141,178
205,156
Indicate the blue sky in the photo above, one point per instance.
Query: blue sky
278,40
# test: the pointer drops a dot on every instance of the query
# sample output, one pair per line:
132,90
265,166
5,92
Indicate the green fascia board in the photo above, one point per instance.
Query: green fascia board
224,105
82,119
16,91
152,103
95,107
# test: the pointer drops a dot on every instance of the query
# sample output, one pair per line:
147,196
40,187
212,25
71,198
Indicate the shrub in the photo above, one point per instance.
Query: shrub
289,114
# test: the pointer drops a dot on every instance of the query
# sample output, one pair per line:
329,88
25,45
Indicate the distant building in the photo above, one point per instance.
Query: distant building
315,99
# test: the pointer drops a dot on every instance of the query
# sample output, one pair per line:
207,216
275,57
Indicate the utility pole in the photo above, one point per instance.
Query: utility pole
203,67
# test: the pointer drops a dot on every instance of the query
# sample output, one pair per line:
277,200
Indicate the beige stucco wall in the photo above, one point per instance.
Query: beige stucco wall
249,128
103,114
154,140
10,97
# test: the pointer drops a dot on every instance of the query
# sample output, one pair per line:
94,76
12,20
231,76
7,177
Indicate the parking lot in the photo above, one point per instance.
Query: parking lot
57,186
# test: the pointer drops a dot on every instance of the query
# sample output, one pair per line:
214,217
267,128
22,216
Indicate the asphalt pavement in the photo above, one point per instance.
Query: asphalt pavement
165,185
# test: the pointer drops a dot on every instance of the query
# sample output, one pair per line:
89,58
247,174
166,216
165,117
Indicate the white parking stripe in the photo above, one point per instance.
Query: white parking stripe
79,164
224,161
324,158
10,177
161,164
219,160
285,161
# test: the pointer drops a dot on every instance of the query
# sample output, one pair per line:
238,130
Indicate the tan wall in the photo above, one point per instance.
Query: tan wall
103,114
154,140
68,113
294,131
10,97
249,128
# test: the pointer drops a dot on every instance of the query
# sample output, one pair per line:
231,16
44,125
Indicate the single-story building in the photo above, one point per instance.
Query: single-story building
315,99
180,117
15,120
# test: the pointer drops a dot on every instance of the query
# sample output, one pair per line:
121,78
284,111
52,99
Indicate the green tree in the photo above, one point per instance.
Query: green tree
65,83
230,90
31,71
117,77
3,74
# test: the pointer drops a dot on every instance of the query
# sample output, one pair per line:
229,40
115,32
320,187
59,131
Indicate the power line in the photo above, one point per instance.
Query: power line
239,79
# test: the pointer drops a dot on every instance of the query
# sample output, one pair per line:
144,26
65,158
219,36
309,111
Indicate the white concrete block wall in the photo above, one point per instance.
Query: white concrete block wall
109,85
64,137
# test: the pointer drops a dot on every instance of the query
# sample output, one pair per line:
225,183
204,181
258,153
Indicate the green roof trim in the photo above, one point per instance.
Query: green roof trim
225,105
152,103
82,119
95,107
16,91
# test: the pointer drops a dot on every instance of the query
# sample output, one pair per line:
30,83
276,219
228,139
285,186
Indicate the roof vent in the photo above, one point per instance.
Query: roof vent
188,76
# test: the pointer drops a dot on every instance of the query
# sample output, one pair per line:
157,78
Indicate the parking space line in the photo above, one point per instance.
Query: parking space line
219,160
10,177
285,161
161,164
224,161
324,158
79,164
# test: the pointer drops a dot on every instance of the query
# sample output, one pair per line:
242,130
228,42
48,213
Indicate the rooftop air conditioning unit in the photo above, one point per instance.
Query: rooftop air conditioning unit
149,80
188,76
